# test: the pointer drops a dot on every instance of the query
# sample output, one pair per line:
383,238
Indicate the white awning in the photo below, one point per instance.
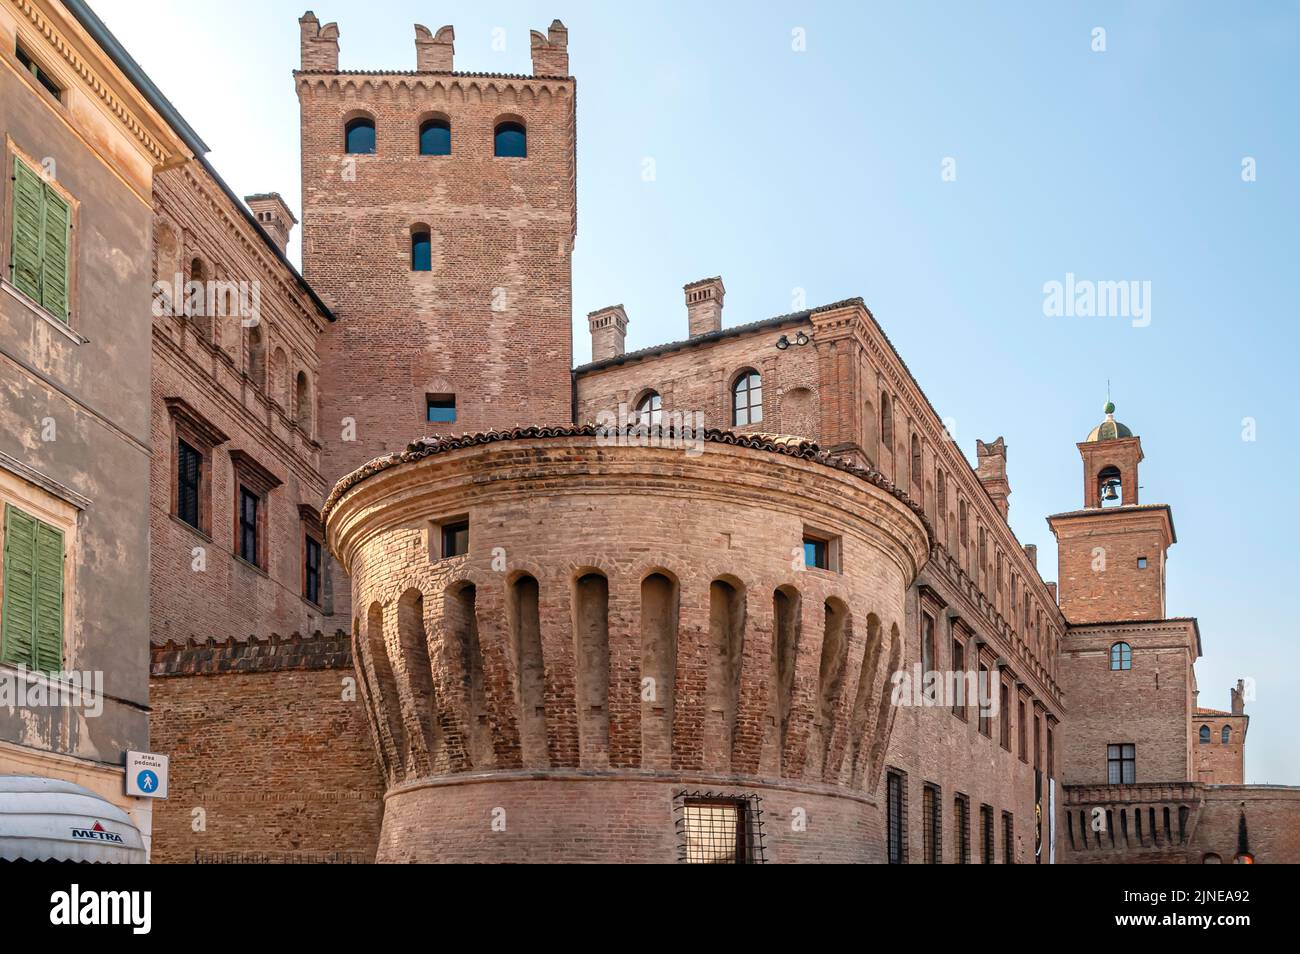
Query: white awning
48,819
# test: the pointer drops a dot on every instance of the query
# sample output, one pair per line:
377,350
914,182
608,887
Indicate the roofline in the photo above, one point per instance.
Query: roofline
457,74
721,334
1107,624
1126,508
136,74
133,71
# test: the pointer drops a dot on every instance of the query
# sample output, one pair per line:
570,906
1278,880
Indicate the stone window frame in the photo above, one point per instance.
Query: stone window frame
310,527
187,424
251,475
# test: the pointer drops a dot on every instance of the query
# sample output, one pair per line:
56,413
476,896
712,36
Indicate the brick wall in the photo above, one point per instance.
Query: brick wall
263,741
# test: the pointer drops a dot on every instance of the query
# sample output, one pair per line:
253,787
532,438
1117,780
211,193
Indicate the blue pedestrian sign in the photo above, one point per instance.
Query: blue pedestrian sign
146,775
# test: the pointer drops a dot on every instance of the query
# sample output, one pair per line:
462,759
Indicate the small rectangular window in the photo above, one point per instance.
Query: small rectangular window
716,831
932,822
986,829
1008,839
1121,764
821,550
440,408
41,76
959,667
41,254
311,570
896,820
189,480
1142,563
455,539
31,617
961,826
249,504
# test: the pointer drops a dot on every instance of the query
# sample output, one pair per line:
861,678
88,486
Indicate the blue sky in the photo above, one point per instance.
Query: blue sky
821,169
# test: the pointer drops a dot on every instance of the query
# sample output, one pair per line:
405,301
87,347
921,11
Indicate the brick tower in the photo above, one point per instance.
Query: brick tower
438,221
1112,553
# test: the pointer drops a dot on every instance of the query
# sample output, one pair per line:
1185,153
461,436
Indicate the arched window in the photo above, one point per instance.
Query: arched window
256,357
302,402
435,137
649,410
1110,489
887,422
1226,737
359,136
510,140
1205,735
1121,656
916,461
747,399
421,250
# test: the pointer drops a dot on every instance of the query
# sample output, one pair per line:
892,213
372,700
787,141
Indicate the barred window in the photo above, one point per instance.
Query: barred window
718,829
896,820
986,830
932,824
961,828
1008,839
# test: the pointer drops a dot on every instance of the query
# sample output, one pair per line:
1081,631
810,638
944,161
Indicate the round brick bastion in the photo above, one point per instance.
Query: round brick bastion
578,647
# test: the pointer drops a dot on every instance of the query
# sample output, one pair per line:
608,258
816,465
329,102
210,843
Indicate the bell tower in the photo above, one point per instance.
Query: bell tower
1111,554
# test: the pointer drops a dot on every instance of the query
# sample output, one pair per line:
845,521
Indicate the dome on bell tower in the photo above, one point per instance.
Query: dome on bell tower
1109,429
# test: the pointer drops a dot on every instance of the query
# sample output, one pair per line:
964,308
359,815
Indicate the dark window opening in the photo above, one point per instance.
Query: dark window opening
510,141
455,539
440,408
249,503
435,137
40,75
189,478
961,822
1008,839
421,252
986,829
932,822
1121,764
359,136
896,821
311,571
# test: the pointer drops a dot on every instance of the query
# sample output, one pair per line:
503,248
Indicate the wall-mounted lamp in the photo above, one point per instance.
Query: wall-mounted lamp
784,342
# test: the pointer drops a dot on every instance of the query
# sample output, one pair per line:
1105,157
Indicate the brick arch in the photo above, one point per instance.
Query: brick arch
523,610
590,621
787,632
465,724
837,634
420,716
384,688
660,620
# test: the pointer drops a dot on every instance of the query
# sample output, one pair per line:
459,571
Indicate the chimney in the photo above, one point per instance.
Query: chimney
551,52
1239,698
992,472
273,216
608,329
1031,551
1051,588
704,306
433,53
319,44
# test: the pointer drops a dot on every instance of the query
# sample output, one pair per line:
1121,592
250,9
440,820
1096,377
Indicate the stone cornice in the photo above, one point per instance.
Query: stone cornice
103,82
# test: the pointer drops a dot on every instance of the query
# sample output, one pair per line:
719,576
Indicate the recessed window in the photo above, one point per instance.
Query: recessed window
1226,735
747,399
1205,735
716,831
189,480
510,141
435,137
440,408
421,251
311,570
455,539
359,136
1121,764
896,817
961,828
41,76
1142,563
31,628
649,410
1121,657
821,551
986,829
249,508
931,824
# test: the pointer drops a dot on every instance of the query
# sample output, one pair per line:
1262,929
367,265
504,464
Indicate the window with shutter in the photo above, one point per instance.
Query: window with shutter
40,260
54,264
28,219
31,629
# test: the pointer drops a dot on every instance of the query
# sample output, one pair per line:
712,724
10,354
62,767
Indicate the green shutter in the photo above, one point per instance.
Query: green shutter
29,215
32,624
49,598
19,608
54,265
